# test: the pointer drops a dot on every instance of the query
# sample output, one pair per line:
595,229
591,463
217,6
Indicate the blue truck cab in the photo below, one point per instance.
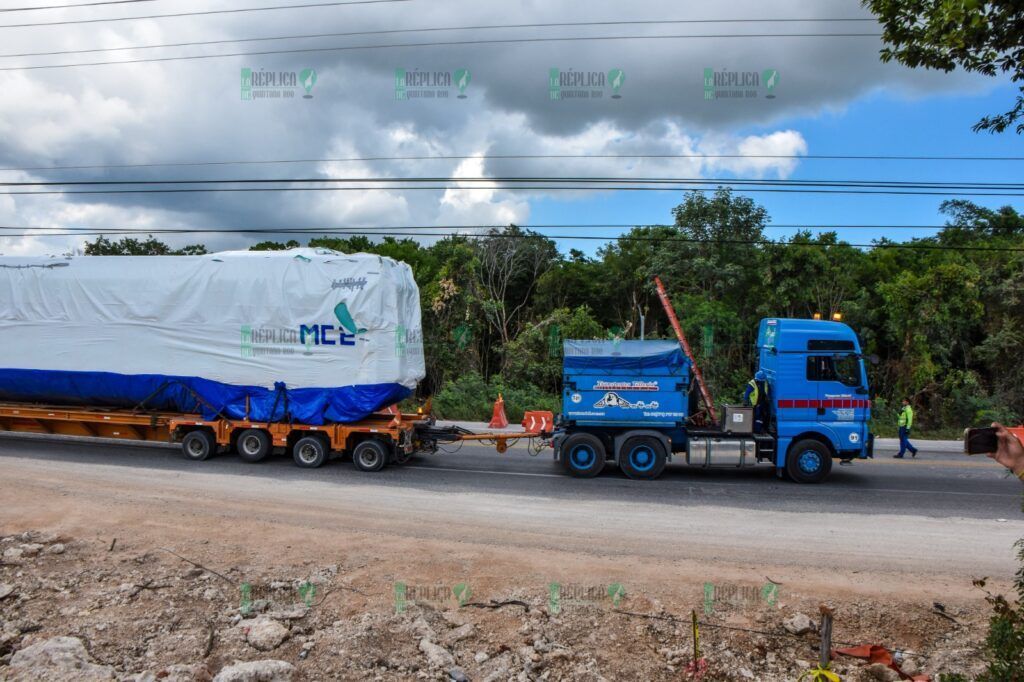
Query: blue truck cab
819,394
632,403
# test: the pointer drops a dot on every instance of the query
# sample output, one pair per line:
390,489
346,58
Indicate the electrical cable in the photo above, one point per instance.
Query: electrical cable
450,43
868,184
79,4
493,187
236,10
460,157
484,27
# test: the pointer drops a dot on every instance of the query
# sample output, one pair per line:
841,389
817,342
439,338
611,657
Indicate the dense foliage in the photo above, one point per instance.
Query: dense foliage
984,37
946,317
129,246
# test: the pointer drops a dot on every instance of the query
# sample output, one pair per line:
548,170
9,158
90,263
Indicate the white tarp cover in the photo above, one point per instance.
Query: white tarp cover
307,318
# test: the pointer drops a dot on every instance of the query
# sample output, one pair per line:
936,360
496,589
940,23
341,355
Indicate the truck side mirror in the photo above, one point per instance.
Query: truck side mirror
873,359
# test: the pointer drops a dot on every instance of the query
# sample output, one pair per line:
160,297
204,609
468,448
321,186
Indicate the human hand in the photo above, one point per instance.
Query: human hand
1010,453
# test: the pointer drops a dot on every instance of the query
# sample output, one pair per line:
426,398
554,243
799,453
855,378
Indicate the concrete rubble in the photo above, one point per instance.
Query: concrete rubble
71,609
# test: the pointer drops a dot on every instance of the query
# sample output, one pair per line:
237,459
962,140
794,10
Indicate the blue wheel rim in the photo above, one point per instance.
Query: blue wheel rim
642,458
809,461
582,457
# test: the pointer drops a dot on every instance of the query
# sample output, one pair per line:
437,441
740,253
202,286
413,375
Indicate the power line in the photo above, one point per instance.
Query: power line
925,184
203,12
598,180
487,27
520,188
442,235
461,157
80,4
449,43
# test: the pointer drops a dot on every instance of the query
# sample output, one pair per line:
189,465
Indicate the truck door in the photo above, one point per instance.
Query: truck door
842,403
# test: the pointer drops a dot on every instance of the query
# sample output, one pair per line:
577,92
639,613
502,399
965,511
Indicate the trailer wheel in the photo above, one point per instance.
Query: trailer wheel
253,445
583,455
198,445
370,455
309,452
642,457
809,461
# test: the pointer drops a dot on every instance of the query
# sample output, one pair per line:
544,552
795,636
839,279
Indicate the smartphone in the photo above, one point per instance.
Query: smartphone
980,441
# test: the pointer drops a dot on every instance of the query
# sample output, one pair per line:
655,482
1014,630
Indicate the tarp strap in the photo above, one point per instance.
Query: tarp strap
171,382
280,395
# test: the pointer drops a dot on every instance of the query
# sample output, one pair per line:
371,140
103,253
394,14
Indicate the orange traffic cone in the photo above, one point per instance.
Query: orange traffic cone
499,420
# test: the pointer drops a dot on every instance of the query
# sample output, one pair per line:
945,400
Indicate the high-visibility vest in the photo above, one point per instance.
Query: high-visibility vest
755,392
906,417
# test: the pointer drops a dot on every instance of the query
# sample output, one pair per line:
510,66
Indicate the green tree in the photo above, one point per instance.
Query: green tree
452,326
535,355
627,266
274,246
714,271
354,244
930,317
803,278
984,37
129,246
511,263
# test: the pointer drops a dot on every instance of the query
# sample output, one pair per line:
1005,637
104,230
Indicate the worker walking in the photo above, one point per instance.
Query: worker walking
756,396
905,423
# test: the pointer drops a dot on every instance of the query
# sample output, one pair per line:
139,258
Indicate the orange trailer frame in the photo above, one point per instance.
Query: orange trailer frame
171,427
404,433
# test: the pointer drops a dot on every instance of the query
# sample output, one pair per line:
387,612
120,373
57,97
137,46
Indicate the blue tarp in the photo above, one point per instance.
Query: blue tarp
647,356
193,394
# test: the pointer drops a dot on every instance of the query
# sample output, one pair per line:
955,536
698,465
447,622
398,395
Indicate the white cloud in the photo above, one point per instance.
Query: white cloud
484,206
191,110
757,151
41,122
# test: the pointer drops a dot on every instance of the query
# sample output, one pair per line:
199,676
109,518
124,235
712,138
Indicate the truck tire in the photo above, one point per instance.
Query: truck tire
253,445
198,445
370,455
809,461
642,457
583,455
309,452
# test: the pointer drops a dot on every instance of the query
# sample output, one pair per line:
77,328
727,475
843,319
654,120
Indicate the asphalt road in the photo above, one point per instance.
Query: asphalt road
939,483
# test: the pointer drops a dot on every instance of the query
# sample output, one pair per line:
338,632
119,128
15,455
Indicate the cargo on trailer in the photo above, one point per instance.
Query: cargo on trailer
309,335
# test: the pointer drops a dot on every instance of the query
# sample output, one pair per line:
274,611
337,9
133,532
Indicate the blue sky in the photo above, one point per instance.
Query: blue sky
880,123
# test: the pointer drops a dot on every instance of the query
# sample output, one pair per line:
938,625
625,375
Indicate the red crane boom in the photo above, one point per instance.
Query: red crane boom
671,313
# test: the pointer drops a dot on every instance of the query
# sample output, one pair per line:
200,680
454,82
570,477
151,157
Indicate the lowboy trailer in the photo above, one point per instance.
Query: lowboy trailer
373,443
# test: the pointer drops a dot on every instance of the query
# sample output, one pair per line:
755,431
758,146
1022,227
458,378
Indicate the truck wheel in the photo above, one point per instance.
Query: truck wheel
583,455
198,445
253,445
642,457
309,452
808,462
370,455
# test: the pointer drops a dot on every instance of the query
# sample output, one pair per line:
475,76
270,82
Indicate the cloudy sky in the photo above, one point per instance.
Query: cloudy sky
832,97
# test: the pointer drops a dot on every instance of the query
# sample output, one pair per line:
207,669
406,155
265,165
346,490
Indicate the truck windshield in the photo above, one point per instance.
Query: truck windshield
842,368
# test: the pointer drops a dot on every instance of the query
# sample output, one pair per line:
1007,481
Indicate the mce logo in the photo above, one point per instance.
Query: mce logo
330,335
